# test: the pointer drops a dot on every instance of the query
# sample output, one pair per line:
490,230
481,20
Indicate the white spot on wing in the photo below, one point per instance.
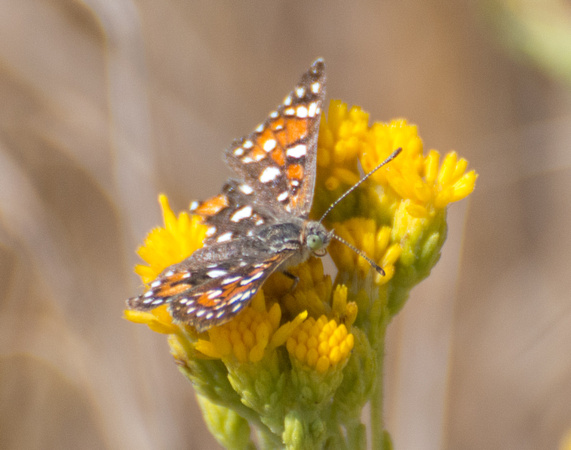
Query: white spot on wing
214,293
287,100
316,87
216,273
239,151
238,307
297,152
301,112
312,109
283,196
193,205
224,237
211,231
230,280
242,213
248,144
289,112
269,145
246,281
245,189
269,174
300,92
247,160
259,128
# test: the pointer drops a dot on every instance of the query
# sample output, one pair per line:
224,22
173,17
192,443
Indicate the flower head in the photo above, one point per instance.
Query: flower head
178,239
320,344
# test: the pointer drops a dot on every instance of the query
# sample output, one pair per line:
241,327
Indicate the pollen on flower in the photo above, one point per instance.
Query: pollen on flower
320,344
168,245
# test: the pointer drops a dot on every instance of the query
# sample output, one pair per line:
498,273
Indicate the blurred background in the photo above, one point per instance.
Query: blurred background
106,103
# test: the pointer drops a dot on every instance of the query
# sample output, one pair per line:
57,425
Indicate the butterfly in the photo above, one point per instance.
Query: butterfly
259,223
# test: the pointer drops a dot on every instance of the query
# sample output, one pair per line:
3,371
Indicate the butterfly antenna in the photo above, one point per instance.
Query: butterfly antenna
373,264
358,183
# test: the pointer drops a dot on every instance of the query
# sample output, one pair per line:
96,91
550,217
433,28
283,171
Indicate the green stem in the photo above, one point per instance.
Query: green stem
377,422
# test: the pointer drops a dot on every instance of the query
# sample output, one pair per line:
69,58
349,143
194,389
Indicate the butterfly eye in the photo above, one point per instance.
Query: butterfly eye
314,242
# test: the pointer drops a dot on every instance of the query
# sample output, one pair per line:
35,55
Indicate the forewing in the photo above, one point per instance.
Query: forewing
233,213
277,160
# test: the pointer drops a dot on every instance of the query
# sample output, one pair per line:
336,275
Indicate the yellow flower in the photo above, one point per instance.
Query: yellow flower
247,337
343,133
164,246
412,176
320,344
312,292
375,242
158,320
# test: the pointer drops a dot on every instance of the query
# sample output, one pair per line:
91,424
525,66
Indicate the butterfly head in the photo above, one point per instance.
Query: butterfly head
316,238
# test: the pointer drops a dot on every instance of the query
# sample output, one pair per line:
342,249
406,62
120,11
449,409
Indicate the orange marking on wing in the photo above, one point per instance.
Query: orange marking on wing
168,290
257,153
212,206
295,172
262,138
296,129
277,123
228,292
203,300
281,137
278,156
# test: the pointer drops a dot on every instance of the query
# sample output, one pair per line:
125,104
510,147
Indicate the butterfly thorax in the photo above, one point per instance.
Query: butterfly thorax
301,238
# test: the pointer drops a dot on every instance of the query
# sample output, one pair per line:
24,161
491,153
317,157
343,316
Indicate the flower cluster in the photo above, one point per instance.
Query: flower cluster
298,365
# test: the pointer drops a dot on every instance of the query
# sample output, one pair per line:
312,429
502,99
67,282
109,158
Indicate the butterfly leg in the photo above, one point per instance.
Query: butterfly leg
294,278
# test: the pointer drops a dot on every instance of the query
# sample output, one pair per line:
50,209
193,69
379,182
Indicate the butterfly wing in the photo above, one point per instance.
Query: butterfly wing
209,288
233,213
277,164
278,160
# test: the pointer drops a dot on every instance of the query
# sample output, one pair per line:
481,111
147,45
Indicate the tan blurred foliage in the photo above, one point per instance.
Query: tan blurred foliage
106,103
